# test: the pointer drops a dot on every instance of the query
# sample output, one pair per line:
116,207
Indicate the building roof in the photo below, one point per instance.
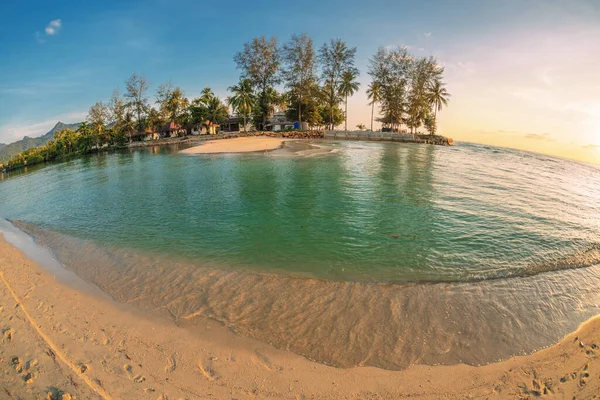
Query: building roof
170,126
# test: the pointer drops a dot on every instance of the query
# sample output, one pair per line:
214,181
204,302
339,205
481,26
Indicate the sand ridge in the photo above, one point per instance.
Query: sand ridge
127,355
236,145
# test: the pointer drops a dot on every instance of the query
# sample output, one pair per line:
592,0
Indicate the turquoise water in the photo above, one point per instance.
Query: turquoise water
369,211
354,253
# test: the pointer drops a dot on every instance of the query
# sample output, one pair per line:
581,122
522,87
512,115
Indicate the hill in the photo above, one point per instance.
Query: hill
9,150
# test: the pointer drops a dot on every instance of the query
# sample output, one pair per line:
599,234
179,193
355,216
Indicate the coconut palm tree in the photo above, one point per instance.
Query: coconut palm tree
207,95
374,95
347,88
216,111
243,99
438,95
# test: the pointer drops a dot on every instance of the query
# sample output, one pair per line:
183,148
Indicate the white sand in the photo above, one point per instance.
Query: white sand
236,145
59,339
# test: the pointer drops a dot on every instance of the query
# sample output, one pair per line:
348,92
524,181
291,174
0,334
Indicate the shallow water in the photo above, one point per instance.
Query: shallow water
377,254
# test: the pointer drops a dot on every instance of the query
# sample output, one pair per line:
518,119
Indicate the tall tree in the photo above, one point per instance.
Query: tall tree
259,62
242,101
438,95
85,139
390,69
347,88
422,72
206,95
208,107
137,89
97,117
299,74
216,111
116,110
172,103
155,119
335,58
374,96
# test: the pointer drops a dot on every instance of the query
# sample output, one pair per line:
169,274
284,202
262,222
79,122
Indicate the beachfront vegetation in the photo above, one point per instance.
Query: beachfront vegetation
409,91
374,96
348,87
243,100
299,72
259,62
336,58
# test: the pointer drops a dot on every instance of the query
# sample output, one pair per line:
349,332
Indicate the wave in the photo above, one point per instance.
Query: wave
347,324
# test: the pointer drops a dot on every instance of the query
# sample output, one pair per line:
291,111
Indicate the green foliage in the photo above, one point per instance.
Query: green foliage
299,74
335,58
67,143
259,62
410,88
208,107
243,100
430,123
374,96
348,86
173,105
137,89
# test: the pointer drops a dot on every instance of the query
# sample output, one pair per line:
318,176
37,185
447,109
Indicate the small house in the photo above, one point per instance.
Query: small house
280,122
212,128
171,130
147,135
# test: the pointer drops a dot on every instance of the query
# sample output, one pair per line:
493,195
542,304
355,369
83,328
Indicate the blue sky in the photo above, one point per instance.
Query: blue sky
59,57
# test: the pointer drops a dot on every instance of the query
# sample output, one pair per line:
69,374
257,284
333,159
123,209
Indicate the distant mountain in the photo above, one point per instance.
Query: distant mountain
7,151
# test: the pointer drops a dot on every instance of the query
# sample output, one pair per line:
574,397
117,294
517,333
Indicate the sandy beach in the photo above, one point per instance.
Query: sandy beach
60,341
236,145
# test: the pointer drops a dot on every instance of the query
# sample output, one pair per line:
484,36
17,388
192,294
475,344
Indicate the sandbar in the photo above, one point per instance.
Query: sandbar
236,145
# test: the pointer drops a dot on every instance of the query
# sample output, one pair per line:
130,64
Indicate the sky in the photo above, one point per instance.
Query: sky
522,73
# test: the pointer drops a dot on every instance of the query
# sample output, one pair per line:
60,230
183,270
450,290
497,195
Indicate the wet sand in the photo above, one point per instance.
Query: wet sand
236,145
65,340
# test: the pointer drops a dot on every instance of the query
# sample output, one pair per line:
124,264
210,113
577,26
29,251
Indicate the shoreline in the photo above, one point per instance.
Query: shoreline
236,145
106,349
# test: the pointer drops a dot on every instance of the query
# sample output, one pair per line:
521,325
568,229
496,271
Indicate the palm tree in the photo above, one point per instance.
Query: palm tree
348,87
206,95
438,96
243,99
374,95
216,111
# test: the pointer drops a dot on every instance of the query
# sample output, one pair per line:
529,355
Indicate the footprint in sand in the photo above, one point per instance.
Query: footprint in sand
208,370
135,378
7,334
17,364
27,374
584,375
537,388
171,364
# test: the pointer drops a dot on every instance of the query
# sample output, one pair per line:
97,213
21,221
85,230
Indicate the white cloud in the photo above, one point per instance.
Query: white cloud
53,27
427,34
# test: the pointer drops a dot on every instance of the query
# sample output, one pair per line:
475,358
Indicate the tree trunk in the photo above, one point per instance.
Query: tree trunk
300,114
331,122
346,119
372,111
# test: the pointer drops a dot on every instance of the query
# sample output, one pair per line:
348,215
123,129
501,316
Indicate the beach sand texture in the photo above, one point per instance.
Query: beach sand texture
59,341
236,145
